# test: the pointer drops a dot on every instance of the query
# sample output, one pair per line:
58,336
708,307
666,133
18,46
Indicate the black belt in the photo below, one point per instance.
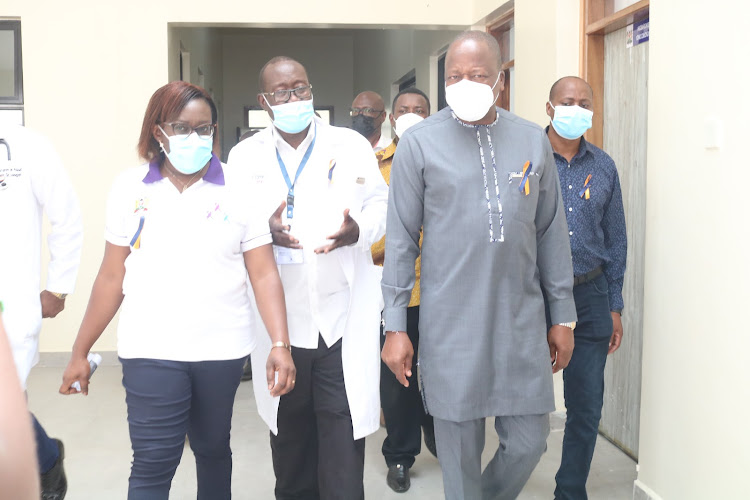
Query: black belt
585,278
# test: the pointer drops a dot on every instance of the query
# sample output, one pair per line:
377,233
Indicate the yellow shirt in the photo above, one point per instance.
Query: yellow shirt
385,159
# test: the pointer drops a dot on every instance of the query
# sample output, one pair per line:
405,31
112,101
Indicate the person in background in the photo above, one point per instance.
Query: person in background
333,205
598,240
181,240
33,182
483,185
368,114
19,473
402,406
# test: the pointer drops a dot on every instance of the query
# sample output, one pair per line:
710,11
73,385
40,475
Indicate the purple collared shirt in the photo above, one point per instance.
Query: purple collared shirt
214,174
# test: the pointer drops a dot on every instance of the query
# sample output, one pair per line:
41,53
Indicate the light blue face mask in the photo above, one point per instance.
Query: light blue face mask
188,153
292,117
571,122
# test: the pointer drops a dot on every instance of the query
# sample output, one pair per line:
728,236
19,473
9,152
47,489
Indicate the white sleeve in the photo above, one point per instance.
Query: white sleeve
54,193
257,232
371,219
116,229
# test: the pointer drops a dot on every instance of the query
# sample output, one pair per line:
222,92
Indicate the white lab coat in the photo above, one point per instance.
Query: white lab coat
34,182
368,206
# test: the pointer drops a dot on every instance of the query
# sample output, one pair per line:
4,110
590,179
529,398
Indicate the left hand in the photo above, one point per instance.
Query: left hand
51,305
560,339
348,234
614,342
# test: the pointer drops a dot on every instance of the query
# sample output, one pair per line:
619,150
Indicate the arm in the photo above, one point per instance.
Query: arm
18,463
54,193
269,295
105,300
616,242
405,218
372,218
554,261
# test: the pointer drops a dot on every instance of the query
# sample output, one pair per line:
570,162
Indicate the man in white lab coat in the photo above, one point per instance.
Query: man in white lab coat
327,205
33,182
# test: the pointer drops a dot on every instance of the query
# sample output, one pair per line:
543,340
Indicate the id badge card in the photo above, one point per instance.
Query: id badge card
286,255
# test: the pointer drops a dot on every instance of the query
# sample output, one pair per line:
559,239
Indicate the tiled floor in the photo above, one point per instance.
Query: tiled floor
98,454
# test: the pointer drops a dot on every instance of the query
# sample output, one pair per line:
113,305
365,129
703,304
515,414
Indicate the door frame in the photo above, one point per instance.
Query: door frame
595,23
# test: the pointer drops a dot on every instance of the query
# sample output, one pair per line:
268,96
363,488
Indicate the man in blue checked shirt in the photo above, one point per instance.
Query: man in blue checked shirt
596,224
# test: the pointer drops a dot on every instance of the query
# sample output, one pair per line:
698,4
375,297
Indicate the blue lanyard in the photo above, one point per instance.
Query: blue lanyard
289,183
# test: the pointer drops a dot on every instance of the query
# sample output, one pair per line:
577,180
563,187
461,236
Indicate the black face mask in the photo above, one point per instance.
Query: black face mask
365,125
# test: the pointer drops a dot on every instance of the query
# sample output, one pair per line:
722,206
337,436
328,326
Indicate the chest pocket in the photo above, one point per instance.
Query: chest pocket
521,193
593,207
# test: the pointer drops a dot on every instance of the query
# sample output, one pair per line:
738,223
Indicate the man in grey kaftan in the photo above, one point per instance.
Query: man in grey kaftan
495,237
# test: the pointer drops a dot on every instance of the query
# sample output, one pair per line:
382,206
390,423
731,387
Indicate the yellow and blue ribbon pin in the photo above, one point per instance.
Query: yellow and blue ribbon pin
136,241
523,187
586,191
331,166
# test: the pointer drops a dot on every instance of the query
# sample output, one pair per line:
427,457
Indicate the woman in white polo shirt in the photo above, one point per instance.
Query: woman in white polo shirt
182,237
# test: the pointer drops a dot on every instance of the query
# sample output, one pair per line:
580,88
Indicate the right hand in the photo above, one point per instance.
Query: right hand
280,361
280,232
78,369
397,353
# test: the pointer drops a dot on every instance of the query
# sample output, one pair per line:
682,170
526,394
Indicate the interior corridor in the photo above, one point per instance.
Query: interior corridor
94,430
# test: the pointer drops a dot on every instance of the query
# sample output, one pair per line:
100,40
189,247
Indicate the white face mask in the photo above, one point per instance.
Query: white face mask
403,122
471,101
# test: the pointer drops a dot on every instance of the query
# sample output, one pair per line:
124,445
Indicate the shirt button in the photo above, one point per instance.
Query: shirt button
571,233
570,209
570,187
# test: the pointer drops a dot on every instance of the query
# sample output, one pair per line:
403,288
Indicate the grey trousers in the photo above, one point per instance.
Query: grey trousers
523,440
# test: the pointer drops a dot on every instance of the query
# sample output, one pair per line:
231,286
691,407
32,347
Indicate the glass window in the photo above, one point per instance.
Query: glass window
11,84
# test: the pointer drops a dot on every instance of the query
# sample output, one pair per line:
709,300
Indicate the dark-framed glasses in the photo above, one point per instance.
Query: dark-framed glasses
365,111
180,128
282,96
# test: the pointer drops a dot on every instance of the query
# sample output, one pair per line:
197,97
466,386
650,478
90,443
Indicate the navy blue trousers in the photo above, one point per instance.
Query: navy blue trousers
46,448
402,406
170,399
584,387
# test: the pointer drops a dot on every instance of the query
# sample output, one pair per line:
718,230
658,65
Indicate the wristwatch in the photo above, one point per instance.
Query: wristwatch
571,325
60,296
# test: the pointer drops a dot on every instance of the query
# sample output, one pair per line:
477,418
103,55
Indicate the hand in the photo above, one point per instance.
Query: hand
561,341
78,369
280,360
51,305
280,232
614,342
398,353
348,234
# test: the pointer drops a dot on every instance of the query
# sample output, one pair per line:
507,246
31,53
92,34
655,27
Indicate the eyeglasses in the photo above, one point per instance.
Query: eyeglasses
365,111
179,128
282,96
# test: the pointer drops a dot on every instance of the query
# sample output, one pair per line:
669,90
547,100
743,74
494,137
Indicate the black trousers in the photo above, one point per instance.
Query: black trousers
402,406
314,454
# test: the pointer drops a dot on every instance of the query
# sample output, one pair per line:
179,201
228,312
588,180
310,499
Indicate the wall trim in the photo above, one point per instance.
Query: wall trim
643,492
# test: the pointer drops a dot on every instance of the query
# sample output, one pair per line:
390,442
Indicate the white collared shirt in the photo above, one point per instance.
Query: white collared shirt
185,286
317,291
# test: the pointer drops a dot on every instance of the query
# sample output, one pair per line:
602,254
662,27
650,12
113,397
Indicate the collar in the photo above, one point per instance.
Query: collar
383,143
583,147
281,144
388,152
468,125
214,174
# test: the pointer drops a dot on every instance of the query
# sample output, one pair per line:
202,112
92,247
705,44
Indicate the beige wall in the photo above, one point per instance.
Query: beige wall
694,442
